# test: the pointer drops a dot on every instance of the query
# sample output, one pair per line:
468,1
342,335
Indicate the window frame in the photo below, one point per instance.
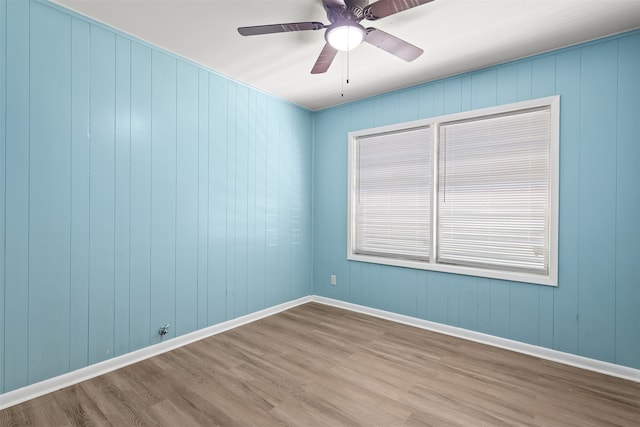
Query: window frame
550,279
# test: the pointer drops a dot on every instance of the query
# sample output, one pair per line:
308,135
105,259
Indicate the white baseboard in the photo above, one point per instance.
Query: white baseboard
607,368
32,391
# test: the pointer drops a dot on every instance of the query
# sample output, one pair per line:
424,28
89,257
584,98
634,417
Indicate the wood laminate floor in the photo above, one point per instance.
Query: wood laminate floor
316,365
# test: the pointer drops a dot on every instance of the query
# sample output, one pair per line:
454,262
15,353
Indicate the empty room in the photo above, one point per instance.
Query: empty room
320,212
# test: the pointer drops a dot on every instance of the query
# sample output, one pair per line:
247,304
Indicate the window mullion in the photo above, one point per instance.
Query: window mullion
434,194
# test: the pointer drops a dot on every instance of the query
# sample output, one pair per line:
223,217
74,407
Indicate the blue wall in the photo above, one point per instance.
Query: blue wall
136,189
595,310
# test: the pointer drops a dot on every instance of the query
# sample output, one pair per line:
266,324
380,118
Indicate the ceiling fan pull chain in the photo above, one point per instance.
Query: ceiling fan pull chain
348,51
347,67
342,80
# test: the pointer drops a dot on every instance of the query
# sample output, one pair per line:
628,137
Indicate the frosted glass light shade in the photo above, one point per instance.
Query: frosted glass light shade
345,36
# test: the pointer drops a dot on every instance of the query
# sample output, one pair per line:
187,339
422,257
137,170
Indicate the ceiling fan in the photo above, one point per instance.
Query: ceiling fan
345,31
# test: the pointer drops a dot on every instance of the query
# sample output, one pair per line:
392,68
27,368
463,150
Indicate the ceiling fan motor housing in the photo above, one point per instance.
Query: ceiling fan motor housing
353,10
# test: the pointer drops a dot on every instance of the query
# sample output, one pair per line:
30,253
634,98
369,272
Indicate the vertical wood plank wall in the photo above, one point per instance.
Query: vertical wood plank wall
595,310
137,189
3,168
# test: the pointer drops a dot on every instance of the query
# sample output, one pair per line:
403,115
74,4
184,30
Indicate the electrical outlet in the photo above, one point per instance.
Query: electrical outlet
164,330
333,279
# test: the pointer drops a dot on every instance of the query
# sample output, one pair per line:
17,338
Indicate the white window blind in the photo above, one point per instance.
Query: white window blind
494,192
393,186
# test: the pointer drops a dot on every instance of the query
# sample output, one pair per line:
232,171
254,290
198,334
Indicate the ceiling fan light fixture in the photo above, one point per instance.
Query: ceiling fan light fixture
345,35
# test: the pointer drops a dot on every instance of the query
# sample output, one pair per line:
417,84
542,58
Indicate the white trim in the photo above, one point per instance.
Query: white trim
65,380
32,391
554,189
582,362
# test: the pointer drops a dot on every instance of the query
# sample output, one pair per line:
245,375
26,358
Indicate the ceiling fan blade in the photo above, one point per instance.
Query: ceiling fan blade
383,8
392,44
324,60
280,28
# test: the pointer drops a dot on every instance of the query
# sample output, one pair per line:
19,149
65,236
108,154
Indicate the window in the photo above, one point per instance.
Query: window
394,178
471,193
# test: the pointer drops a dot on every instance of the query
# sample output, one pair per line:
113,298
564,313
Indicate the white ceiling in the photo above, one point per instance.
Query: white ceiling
456,35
